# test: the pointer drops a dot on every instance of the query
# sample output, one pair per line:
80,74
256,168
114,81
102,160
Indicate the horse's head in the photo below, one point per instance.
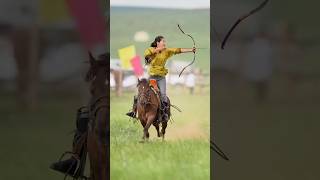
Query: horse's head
143,88
142,85
97,74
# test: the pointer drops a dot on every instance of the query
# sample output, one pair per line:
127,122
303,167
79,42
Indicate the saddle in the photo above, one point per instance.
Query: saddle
82,119
162,107
154,87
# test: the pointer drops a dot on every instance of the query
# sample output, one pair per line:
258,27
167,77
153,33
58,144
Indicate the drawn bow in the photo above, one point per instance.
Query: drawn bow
213,146
194,54
263,4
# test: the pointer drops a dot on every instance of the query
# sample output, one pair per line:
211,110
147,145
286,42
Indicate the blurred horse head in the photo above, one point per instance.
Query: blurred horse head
98,128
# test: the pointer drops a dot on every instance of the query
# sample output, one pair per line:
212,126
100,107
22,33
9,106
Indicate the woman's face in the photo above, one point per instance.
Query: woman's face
162,43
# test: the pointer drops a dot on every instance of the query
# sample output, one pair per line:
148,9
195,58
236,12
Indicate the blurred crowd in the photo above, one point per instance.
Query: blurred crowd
261,58
38,37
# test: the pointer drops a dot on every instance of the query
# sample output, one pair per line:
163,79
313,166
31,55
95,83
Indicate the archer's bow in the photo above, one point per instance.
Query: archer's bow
241,19
194,54
216,149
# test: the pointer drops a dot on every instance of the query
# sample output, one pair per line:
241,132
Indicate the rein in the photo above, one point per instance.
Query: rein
95,107
147,96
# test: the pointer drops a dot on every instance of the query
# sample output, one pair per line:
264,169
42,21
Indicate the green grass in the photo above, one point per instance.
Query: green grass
273,140
160,160
30,142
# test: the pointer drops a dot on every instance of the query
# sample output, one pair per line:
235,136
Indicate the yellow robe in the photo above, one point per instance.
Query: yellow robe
158,62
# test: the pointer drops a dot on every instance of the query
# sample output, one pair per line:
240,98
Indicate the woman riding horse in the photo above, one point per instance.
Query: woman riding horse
156,57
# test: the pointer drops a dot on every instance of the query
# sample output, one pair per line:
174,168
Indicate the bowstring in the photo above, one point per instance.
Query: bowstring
194,54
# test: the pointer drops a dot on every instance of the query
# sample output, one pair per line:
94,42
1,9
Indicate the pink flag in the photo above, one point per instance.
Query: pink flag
90,21
137,66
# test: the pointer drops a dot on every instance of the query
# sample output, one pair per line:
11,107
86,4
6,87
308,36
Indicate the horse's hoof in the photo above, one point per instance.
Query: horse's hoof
142,141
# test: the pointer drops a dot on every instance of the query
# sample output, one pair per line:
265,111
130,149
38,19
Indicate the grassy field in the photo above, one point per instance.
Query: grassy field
274,140
185,153
30,142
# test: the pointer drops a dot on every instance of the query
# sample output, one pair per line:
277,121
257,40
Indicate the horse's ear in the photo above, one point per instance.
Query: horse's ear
139,80
91,58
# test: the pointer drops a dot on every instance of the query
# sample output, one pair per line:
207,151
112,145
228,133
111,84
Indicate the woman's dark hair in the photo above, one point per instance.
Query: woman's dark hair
157,39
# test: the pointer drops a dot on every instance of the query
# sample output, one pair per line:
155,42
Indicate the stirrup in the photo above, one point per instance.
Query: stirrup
77,158
131,114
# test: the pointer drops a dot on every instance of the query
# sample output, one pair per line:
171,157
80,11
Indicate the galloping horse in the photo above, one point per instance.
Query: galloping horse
148,109
98,127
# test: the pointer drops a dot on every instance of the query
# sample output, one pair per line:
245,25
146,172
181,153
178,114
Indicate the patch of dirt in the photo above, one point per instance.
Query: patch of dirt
191,130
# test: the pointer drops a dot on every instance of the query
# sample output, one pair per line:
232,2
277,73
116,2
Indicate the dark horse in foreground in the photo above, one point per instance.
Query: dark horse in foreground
149,109
98,127
92,133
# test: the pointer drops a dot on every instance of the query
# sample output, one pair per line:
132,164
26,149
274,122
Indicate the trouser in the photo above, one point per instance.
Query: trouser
162,87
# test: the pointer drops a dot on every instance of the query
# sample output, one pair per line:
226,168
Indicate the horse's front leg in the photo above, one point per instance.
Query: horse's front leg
150,118
143,123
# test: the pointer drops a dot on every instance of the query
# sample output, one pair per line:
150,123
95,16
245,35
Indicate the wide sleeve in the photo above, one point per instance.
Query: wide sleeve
173,51
148,52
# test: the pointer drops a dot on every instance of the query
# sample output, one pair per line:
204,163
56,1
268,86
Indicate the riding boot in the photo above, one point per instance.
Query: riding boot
167,109
164,113
74,166
134,108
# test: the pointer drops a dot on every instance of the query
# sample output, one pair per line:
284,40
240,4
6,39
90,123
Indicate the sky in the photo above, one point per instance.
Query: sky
172,4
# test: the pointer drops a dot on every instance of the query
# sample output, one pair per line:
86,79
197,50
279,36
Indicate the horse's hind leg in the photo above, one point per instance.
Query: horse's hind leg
156,125
163,129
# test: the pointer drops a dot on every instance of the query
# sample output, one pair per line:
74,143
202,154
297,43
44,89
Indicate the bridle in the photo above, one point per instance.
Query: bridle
94,108
144,98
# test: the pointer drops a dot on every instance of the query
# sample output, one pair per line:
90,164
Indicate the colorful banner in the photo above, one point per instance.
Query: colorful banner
137,66
53,11
90,22
125,55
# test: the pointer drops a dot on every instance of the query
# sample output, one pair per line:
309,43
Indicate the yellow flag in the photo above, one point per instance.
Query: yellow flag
53,11
125,55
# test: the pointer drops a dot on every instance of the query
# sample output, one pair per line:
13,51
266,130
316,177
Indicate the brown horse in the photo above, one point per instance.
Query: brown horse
98,127
148,109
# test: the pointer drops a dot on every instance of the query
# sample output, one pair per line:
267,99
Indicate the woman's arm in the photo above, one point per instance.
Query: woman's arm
150,52
157,50
185,50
